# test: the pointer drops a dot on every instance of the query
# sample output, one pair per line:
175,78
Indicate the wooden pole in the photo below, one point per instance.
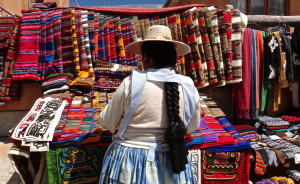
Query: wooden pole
271,21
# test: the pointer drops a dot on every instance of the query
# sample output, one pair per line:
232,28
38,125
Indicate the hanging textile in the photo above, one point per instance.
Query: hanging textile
26,67
236,42
241,91
9,89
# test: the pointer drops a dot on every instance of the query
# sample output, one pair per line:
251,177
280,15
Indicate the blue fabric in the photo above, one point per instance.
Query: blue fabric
129,165
241,143
124,164
253,76
196,140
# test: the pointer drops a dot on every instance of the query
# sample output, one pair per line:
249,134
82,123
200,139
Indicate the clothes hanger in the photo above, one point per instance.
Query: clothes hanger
7,11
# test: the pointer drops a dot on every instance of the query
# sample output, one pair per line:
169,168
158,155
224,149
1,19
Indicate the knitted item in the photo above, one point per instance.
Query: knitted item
294,174
288,152
260,167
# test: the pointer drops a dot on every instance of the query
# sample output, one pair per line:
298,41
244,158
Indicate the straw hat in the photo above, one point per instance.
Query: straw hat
158,33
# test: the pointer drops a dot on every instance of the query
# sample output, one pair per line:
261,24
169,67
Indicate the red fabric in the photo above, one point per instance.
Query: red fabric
260,52
275,127
241,91
132,10
225,167
224,138
244,127
290,119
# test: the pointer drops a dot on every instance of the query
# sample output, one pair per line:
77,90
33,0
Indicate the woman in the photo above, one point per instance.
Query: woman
154,109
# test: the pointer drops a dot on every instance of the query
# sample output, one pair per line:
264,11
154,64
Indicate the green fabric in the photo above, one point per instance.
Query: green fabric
74,164
266,84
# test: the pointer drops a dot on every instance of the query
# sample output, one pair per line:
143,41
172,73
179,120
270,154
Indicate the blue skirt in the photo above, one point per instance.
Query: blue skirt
129,165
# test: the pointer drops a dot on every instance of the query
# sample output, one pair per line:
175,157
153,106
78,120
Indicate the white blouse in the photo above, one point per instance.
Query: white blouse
150,120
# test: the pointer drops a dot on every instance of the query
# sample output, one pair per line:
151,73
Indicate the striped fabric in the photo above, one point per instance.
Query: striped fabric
201,81
11,90
74,40
225,30
190,66
216,44
240,142
236,42
26,67
79,19
86,40
224,138
212,77
66,38
200,50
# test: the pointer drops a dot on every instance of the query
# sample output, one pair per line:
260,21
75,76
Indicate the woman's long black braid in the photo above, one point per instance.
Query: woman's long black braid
164,55
176,131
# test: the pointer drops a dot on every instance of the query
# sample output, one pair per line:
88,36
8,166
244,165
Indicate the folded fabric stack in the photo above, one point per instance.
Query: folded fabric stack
272,124
224,138
247,131
79,126
294,174
294,122
203,134
56,82
239,142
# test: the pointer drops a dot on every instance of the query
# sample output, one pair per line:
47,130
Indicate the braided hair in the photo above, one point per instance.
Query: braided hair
164,55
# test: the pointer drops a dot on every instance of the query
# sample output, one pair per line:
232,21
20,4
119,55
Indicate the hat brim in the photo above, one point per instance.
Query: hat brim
180,47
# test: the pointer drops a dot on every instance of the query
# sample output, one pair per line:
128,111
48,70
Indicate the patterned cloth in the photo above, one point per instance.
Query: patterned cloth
203,134
236,42
11,90
239,144
212,77
26,67
74,163
295,174
225,30
224,138
225,167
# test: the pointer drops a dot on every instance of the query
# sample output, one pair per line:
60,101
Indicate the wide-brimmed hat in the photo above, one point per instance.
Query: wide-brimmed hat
158,33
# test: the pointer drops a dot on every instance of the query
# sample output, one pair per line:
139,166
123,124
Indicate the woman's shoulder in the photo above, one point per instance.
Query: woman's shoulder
185,78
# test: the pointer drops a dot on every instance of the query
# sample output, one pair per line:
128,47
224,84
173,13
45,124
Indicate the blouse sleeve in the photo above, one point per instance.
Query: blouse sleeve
111,116
195,121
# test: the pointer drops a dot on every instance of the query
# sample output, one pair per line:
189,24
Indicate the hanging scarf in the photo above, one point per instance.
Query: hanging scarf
241,91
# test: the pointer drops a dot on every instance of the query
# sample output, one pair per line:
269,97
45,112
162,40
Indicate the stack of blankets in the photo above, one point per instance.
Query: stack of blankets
272,124
56,82
216,136
294,122
278,124
247,131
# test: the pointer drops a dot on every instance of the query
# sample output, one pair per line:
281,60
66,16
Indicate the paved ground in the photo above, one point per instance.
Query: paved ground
7,172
